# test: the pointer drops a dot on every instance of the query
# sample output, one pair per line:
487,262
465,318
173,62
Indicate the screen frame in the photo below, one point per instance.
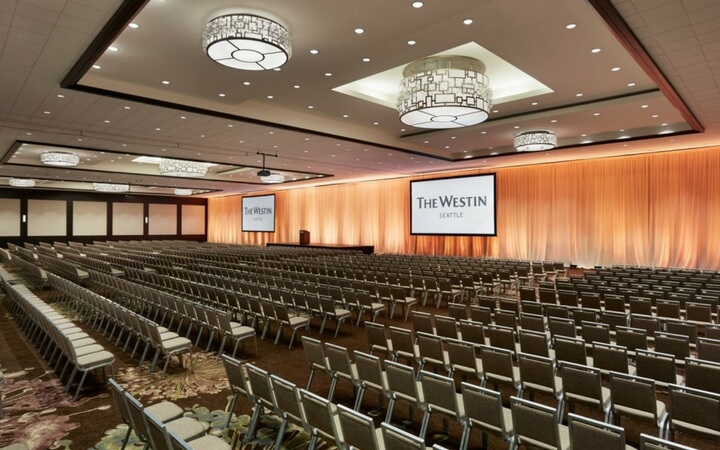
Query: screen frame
493,175
242,214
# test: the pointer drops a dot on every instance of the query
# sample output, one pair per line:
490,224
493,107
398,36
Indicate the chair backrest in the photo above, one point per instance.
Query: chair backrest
570,349
497,364
358,429
259,381
708,349
403,342
532,322
534,343
535,424
537,373
446,327
648,323
674,344
397,439
439,394
581,314
458,311
683,328
506,318
287,399
402,382
595,332
157,433
462,356
582,384
472,331
648,442
590,300
320,415
631,338
655,365
338,360
703,375
501,337
589,433
137,419
609,357
482,314
668,308
236,376
431,350
369,369
559,326
532,306
694,411
633,396
423,322
377,338
119,395
484,409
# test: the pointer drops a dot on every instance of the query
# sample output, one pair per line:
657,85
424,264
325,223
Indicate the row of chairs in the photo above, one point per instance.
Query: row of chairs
104,313
162,425
58,338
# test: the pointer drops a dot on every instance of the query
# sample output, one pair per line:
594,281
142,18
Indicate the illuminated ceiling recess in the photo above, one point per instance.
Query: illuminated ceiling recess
181,168
22,182
247,42
61,159
111,187
444,92
534,141
180,191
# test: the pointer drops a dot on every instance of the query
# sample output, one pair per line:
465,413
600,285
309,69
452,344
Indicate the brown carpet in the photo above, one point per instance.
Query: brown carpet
39,412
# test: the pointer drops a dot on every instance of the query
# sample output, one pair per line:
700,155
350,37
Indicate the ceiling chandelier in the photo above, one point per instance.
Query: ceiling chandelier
247,42
444,92
22,182
182,168
62,159
180,191
534,141
111,187
265,175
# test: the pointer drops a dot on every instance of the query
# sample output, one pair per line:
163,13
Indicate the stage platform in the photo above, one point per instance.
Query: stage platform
367,249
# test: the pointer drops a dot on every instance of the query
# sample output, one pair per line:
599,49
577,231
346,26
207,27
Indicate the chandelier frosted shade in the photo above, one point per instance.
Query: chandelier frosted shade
273,178
180,168
247,42
534,141
444,92
61,159
111,187
183,191
22,182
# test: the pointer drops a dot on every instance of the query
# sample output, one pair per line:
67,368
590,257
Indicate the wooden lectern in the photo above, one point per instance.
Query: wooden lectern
304,237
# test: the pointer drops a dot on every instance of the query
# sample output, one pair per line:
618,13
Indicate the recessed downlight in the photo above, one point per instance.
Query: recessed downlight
631,84
595,50
359,30
411,42
96,66
615,69
314,51
112,48
468,21
133,25
366,59
165,82
417,5
571,26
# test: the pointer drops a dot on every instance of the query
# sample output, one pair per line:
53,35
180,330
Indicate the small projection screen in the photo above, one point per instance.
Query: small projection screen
454,206
258,213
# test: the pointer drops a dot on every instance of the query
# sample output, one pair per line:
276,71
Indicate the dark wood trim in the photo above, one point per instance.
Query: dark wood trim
637,51
117,23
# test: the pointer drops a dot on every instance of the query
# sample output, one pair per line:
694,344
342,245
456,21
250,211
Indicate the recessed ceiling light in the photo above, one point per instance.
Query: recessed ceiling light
655,116
314,51
96,66
126,107
579,94
516,126
133,25
467,21
270,97
165,82
246,83
366,59
553,121
417,5
376,123
411,42
230,125
297,86
221,95
107,121
328,74
534,103
615,69
345,116
631,84
46,112
583,135
664,124
596,114
310,107
483,132
157,129
359,30
495,111
595,50
112,48
453,137
183,117
570,26
643,106
60,96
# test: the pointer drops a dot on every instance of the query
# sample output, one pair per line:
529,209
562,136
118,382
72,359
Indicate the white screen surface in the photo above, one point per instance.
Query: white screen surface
258,213
453,206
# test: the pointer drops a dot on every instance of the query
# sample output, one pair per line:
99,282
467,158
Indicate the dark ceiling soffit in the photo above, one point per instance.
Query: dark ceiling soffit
634,47
14,148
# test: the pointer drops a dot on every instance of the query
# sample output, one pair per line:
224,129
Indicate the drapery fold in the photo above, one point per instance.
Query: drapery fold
660,209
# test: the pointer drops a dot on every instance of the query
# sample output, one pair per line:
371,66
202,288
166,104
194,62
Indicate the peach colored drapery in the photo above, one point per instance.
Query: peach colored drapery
660,209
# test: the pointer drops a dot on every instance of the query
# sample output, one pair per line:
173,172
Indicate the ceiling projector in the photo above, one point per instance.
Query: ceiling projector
263,173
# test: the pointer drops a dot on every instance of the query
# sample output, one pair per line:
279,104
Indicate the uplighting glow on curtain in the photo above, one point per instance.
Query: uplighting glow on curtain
660,209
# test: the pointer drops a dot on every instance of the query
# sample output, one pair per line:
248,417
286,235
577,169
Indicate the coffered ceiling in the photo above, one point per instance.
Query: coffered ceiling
112,81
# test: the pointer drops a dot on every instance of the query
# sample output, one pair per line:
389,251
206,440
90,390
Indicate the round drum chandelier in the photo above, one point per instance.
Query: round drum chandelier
247,42
182,168
111,187
535,141
22,182
60,159
444,92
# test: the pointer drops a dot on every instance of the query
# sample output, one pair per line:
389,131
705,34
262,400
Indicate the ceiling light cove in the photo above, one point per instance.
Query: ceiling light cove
247,42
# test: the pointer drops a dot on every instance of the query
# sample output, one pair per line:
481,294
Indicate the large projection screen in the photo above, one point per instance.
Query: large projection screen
258,213
47,218
89,218
9,217
462,206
